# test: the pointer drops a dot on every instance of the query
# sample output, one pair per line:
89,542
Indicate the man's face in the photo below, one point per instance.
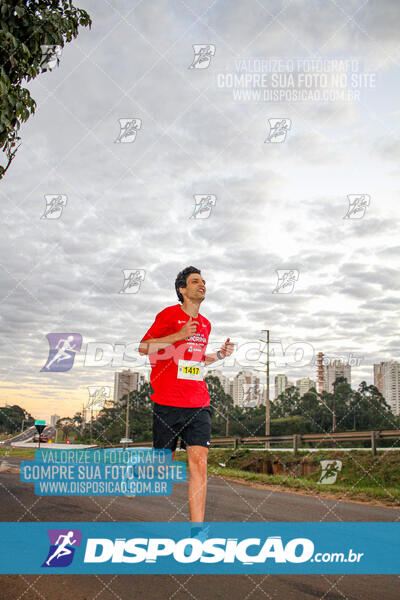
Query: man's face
195,288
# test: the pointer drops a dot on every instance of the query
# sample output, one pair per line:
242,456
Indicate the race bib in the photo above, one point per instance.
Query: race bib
190,369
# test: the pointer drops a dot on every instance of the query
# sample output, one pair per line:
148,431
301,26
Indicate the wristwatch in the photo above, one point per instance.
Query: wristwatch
219,355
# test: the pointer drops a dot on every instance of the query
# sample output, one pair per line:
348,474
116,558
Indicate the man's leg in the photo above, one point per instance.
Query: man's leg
197,459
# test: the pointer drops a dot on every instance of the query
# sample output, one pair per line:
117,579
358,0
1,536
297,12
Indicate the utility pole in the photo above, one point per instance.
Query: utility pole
334,413
127,410
127,415
267,400
334,409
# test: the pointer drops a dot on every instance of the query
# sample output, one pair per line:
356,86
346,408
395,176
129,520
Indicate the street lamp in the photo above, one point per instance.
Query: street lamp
267,400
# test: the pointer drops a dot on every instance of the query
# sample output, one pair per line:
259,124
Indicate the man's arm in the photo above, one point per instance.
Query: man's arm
225,350
153,345
210,358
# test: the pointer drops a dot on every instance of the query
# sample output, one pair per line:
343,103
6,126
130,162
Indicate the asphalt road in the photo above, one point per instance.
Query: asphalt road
226,501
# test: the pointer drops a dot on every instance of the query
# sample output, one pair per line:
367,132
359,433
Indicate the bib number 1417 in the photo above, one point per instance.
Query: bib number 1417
190,369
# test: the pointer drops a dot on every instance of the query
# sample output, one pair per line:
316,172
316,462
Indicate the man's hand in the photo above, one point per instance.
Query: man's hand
227,348
187,330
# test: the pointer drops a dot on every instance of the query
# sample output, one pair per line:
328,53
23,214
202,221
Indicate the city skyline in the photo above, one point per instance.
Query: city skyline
135,379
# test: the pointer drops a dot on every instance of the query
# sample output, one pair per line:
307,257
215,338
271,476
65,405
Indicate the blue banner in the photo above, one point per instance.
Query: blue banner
215,548
103,472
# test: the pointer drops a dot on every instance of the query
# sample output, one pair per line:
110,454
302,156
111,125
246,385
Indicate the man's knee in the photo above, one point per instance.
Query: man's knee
197,458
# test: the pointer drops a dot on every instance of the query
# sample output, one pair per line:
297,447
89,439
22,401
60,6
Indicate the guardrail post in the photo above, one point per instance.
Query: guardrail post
373,442
295,444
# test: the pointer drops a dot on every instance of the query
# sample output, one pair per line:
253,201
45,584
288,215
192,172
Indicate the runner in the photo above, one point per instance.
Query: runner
176,345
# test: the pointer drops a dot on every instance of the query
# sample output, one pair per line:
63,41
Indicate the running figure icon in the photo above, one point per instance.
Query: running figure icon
64,346
62,549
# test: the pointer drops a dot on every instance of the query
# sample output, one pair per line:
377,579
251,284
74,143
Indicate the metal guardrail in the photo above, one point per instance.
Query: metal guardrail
295,440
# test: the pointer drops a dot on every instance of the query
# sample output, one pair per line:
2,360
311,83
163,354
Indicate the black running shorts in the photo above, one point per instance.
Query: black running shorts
191,425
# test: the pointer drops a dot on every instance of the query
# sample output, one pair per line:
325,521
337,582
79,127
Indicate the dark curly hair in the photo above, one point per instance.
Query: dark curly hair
181,279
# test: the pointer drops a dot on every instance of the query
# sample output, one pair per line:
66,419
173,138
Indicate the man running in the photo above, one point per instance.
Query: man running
176,345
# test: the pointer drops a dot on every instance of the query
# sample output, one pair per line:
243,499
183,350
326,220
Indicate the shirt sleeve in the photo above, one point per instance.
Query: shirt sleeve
160,327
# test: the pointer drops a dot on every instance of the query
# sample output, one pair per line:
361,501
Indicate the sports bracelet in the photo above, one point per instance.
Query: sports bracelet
219,355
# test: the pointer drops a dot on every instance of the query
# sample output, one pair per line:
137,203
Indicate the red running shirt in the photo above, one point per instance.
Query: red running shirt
168,388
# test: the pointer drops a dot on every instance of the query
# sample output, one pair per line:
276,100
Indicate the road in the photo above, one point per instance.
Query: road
28,434
226,501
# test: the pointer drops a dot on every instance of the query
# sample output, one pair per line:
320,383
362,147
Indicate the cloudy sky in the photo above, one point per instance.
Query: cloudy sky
279,205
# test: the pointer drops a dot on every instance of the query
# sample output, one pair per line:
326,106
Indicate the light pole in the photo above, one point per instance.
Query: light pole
267,399
127,412
334,412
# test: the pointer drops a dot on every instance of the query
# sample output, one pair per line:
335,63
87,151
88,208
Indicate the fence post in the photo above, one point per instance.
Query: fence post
373,442
295,444
236,443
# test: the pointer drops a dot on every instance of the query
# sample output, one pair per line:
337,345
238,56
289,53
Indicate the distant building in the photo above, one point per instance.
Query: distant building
304,385
54,419
127,381
248,392
328,370
333,370
281,383
225,381
387,380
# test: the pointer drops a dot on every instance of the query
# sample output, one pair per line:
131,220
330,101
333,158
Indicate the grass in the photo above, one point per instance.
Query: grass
17,452
363,476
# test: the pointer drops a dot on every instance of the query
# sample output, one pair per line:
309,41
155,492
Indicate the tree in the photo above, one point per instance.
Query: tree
12,418
109,425
221,405
369,409
66,425
287,403
31,31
